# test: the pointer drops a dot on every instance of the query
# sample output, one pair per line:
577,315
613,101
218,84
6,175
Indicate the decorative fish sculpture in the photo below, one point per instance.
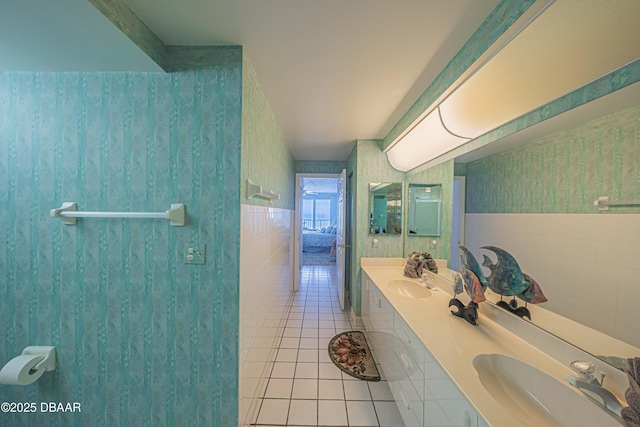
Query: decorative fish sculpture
468,261
506,277
533,293
473,286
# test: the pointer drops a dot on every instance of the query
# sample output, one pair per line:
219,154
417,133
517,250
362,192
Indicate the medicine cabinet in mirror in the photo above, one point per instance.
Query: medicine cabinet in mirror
385,208
425,208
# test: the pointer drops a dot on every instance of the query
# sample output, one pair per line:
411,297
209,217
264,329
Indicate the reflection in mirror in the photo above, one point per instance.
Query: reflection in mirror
425,206
385,207
608,348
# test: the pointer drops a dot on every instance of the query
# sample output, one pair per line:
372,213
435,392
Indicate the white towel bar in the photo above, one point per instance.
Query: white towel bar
68,213
603,203
256,190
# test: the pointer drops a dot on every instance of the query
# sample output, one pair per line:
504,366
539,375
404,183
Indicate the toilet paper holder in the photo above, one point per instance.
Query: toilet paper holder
48,362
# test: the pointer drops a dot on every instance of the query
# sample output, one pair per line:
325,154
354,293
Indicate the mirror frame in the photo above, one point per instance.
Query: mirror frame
410,211
394,216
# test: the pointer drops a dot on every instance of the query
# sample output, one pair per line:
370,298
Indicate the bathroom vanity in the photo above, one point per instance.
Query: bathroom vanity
444,371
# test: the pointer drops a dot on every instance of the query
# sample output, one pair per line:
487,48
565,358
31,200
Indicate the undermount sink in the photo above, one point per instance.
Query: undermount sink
534,397
409,289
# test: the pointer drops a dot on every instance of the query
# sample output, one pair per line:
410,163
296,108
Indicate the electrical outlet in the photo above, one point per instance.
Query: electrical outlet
195,254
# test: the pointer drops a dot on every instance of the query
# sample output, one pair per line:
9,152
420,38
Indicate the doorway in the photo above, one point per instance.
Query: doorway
316,218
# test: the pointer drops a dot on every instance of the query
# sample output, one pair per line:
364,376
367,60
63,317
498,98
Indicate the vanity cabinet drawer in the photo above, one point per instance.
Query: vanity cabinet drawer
410,369
409,403
409,340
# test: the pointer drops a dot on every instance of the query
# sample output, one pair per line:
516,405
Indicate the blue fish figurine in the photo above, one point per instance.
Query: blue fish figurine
533,293
473,287
506,277
469,262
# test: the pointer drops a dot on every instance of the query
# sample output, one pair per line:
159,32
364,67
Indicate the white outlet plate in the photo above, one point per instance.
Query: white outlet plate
195,254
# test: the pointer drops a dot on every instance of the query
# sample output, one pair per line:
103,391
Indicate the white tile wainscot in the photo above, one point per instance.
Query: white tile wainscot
427,354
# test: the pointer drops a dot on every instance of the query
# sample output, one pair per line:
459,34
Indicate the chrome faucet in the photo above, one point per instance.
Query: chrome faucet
589,385
427,281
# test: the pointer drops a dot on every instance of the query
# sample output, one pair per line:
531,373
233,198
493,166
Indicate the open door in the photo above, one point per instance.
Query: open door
340,237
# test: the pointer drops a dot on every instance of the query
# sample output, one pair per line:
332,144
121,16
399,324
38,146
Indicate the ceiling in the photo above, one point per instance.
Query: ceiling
64,35
334,71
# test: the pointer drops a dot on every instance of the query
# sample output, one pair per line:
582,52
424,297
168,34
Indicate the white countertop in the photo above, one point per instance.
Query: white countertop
454,343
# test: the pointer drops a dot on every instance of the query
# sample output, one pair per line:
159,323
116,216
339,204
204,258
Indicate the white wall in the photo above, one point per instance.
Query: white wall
587,265
265,297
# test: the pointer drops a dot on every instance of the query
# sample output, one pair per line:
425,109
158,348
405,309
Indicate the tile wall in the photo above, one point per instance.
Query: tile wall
587,265
265,297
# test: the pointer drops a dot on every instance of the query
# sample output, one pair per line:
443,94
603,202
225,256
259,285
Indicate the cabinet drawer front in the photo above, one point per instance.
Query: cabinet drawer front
409,403
410,341
411,370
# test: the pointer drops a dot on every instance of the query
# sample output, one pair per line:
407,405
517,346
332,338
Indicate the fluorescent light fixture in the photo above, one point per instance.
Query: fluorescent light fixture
566,45
428,139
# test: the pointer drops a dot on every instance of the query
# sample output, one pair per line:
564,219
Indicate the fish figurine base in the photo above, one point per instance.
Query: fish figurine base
468,312
512,307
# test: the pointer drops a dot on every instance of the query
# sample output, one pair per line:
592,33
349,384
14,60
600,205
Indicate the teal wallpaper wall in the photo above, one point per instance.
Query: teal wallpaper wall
266,159
370,165
441,174
312,166
142,338
562,173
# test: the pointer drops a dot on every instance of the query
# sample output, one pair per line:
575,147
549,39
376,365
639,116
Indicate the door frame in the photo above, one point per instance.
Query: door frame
297,256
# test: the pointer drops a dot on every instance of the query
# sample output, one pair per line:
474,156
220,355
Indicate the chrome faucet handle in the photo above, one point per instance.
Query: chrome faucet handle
585,370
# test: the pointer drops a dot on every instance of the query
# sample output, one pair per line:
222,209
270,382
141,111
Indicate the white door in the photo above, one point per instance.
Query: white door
340,233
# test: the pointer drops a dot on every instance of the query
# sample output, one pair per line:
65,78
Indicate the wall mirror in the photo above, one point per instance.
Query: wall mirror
425,209
385,208
583,309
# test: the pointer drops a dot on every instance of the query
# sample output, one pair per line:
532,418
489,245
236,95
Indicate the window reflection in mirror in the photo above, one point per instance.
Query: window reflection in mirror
425,207
385,208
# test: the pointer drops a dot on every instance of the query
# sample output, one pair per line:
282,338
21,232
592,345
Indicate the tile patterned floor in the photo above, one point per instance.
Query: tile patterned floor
305,388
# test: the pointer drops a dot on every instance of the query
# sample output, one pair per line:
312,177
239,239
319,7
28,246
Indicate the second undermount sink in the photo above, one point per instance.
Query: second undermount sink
409,289
535,398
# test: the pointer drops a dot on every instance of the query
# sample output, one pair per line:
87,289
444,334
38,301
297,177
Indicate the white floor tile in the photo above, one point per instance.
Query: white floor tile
289,342
287,355
332,413
323,356
326,324
306,370
342,324
356,390
330,389
279,388
327,333
388,414
329,371
291,332
361,413
380,390
309,324
305,389
303,412
309,343
294,323
309,333
273,411
283,370
308,356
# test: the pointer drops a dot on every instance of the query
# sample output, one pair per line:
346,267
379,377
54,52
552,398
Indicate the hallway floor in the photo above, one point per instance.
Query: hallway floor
305,388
